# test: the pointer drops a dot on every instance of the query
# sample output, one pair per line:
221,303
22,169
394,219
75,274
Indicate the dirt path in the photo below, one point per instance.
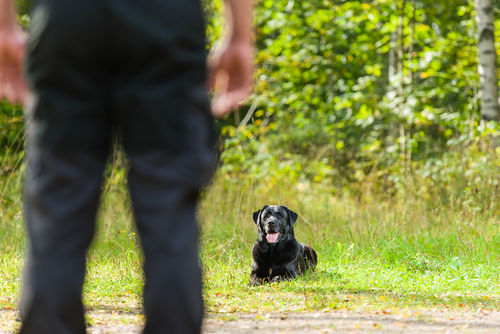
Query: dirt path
358,322
480,321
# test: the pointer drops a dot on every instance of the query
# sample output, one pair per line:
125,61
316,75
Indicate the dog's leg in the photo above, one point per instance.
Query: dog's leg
312,257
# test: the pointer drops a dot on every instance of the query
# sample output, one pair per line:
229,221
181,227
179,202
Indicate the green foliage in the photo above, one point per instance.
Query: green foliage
324,105
23,10
330,104
213,17
24,7
11,134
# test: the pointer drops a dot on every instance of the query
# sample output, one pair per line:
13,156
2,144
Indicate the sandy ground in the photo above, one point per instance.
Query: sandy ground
442,321
359,322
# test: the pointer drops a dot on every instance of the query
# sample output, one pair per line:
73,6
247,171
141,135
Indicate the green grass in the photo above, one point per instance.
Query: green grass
379,254
375,255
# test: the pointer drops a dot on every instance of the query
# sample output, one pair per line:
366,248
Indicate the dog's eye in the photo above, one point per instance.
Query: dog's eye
280,215
267,214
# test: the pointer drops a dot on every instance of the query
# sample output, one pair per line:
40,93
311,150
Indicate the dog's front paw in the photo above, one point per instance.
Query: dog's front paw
254,280
276,279
283,278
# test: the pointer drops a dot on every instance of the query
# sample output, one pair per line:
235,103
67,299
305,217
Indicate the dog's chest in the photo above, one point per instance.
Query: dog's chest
274,255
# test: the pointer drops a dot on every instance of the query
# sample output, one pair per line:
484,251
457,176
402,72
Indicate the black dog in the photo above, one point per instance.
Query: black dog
276,254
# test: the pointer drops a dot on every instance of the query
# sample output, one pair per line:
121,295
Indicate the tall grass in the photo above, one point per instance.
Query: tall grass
390,229
433,243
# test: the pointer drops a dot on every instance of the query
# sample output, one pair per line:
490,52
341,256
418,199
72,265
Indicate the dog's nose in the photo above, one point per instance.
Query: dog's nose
272,223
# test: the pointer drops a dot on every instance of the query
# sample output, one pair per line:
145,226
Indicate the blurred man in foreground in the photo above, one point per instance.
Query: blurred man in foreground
139,67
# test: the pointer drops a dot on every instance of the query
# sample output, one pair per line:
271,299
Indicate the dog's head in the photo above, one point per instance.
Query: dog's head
275,223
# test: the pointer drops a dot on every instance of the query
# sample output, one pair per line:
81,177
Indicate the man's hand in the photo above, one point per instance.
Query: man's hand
12,48
12,44
230,71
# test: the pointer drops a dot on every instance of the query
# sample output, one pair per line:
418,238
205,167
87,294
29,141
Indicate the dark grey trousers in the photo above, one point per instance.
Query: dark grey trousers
61,199
138,66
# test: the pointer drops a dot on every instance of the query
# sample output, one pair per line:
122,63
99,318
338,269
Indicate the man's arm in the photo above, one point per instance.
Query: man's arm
231,69
7,13
12,47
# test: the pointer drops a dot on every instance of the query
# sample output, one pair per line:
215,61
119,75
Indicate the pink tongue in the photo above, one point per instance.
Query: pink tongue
272,237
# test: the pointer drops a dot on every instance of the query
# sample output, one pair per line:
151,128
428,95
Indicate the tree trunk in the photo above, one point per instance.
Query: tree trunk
392,60
400,48
393,123
400,61
412,39
396,70
490,110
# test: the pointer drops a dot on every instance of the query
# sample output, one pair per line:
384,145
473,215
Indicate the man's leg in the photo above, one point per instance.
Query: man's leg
68,116
164,186
159,101
165,209
61,201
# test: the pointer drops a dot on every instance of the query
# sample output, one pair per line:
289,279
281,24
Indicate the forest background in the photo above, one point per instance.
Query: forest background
365,119
361,96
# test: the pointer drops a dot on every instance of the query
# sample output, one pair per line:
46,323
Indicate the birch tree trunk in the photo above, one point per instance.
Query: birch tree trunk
490,110
401,50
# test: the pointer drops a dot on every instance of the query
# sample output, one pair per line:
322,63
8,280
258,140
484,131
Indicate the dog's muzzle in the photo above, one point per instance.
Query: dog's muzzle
272,236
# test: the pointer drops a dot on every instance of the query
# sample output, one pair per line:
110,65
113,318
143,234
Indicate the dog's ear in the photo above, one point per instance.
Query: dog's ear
292,216
256,215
